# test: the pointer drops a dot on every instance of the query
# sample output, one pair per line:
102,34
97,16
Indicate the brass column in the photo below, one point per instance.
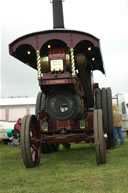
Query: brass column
72,61
38,64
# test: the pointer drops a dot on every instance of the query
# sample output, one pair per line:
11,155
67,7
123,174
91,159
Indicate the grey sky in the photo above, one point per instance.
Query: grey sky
106,20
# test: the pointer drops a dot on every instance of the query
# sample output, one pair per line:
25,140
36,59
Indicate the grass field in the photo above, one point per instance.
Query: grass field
67,171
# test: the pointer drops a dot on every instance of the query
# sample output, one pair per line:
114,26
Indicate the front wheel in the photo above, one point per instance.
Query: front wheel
103,100
30,145
100,144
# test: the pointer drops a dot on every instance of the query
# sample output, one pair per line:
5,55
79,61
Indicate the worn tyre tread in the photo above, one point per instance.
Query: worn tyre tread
23,149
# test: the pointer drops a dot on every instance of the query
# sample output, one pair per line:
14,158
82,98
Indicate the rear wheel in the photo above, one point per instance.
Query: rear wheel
40,103
110,119
41,106
49,148
100,144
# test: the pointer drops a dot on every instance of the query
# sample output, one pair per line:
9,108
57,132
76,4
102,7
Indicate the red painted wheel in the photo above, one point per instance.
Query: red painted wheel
100,144
30,145
41,106
40,103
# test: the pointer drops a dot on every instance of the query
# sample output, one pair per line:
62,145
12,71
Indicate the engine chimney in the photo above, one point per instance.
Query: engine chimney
58,20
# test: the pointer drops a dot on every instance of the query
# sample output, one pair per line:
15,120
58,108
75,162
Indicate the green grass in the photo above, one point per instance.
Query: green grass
67,171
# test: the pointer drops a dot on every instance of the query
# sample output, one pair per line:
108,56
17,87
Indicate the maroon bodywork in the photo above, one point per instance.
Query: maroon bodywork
71,38
67,131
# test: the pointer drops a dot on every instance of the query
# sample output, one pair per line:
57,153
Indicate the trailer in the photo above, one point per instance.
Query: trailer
121,99
70,108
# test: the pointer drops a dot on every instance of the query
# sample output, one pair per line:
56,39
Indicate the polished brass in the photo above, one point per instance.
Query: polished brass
73,62
44,64
38,64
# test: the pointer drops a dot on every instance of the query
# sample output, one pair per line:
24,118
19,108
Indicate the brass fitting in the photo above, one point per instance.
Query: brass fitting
72,61
38,64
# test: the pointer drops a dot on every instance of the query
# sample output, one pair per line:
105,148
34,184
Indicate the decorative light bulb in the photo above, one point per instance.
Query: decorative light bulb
89,48
49,46
28,52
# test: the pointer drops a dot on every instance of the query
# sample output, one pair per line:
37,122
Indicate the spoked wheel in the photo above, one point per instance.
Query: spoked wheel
40,103
41,106
100,144
57,147
110,119
30,145
103,100
49,148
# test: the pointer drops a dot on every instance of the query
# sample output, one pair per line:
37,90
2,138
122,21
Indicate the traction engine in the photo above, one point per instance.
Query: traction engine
70,107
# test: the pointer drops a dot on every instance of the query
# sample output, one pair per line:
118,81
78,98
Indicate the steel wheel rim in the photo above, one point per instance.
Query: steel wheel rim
30,145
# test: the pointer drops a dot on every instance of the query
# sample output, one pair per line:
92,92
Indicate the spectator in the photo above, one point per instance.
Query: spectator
17,126
117,123
127,105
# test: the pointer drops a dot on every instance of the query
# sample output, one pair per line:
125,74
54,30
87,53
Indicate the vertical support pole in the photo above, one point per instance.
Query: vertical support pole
38,64
72,61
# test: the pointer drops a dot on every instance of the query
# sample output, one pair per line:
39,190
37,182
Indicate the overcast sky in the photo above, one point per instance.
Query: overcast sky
107,20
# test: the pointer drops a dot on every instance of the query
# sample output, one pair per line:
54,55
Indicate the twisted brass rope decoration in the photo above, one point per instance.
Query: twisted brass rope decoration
38,64
72,61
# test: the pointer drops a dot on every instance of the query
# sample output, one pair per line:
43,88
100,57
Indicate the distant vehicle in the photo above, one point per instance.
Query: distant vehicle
4,126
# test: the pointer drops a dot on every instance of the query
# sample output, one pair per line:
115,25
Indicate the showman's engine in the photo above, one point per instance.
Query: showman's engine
70,108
